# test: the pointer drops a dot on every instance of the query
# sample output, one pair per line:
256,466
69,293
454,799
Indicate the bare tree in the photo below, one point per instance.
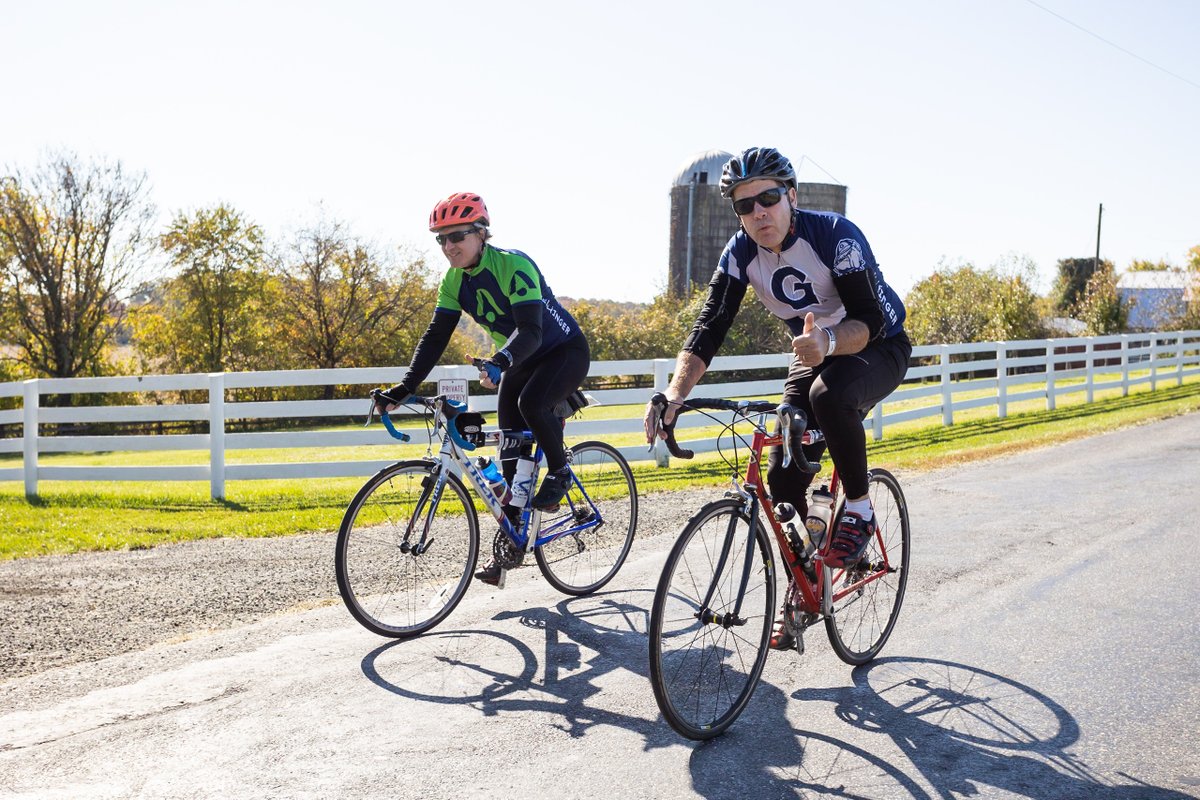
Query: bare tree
71,237
342,304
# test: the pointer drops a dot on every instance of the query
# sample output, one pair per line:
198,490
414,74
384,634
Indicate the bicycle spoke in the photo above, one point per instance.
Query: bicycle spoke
862,621
397,593
703,673
594,534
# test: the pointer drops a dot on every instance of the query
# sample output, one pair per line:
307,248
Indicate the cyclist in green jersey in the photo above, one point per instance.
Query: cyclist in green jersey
541,354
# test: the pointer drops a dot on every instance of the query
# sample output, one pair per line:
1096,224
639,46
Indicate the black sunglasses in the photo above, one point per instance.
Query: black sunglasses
453,238
765,199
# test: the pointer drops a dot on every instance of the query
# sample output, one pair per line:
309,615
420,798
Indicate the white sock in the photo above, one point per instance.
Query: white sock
861,507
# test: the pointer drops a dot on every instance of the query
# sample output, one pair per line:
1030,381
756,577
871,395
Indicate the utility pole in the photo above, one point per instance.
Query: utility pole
1099,218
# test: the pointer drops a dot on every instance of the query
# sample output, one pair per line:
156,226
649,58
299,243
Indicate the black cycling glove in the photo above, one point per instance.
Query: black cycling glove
396,394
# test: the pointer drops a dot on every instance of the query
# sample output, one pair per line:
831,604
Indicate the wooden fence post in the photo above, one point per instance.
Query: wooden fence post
216,434
30,434
1179,359
1153,362
1050,399
947,392
1089,352
1124,365
1002,379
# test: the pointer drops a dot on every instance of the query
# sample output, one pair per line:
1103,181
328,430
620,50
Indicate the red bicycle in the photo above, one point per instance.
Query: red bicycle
710,625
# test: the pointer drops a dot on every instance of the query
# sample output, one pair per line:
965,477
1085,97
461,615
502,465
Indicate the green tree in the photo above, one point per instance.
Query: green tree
754,331
622,331
72,234
215,314
1191,318
966,304
1138,265
1071,284
1101,308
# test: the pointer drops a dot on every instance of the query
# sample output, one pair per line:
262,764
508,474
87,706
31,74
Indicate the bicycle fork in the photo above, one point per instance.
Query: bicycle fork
431,494
731,618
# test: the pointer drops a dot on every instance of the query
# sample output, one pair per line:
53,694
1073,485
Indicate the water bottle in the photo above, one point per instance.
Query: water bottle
523,482
802,548
495,480
785,513
820,511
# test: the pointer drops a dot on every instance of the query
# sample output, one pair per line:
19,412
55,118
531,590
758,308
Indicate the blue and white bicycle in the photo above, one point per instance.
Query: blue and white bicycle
409,541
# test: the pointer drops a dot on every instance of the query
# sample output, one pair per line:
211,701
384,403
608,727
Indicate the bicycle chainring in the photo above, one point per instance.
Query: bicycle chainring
796,621
506,553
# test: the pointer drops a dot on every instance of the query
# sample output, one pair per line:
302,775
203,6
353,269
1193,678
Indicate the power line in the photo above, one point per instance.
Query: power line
818,166
1114,44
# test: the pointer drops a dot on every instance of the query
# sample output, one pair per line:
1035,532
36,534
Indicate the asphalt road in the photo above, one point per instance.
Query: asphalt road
1047,649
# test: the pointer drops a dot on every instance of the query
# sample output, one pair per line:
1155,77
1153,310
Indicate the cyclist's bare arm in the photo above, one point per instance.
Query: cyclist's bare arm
689,369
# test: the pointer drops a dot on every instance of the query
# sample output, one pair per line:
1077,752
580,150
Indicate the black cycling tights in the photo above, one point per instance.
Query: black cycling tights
529,392
836,396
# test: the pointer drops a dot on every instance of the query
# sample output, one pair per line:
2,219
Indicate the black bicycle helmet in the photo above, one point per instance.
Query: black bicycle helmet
754,164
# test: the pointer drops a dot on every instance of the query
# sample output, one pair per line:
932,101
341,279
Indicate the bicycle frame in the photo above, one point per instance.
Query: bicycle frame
455,451
811,592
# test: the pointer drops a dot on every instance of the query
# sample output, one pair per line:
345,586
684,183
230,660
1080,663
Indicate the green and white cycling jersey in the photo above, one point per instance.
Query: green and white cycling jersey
504,279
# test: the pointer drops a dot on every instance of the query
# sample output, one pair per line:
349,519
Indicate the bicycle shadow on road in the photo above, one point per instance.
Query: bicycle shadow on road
586,638
764,756
966,729
962,731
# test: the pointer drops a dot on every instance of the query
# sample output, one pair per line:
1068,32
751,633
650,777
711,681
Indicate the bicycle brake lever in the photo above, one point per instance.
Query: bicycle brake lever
370,414
785,425
659,401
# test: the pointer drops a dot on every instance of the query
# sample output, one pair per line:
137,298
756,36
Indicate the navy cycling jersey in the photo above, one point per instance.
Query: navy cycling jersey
820,248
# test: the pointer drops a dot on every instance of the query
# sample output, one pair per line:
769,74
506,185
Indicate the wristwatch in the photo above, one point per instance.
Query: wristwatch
832,341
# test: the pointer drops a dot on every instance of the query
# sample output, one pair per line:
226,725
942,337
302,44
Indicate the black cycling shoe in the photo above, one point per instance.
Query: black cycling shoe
553,489
492,574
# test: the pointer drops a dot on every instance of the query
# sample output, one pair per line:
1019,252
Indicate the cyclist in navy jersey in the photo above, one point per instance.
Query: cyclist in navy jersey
541,354
816,272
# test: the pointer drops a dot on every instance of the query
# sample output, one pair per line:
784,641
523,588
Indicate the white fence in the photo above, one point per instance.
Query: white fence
1015,371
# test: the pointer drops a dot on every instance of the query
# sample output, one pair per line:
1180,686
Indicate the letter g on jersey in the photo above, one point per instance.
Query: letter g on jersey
790,285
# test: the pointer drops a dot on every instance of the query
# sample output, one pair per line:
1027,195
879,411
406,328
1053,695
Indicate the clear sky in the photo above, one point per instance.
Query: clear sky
965,131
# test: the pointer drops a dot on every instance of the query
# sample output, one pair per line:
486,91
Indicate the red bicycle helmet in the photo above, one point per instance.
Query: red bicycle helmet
460,208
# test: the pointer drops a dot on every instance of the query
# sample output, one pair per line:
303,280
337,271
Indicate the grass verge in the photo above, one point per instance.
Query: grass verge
74,517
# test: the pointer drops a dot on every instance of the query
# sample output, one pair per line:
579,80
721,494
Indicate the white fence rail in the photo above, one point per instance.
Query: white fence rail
935,386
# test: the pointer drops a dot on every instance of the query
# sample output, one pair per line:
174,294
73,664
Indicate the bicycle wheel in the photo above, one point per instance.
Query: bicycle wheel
864,602
581,562
405,554
703,673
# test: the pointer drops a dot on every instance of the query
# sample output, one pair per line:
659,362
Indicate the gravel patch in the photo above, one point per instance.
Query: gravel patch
61,610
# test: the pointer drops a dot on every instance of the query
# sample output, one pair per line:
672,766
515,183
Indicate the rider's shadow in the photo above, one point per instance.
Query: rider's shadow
585,639
966,729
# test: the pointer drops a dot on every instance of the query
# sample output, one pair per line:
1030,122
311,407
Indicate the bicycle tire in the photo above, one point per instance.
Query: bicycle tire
860,622
704,674
389,589
583,562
